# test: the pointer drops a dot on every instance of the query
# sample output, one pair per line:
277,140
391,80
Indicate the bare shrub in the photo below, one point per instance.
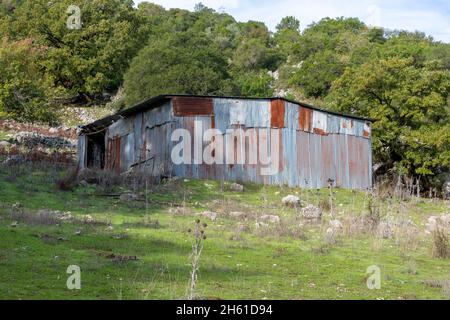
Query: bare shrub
440,248
290,229
104,179
323,248
407,238
88,175
325,205
353,226
18,156
286,228
11,178
411,267
330,236
373,218
446,289
91,221
433,283
237,235
443,284
180,211
377,243
46,218
68,182
384,189
146,222
231,209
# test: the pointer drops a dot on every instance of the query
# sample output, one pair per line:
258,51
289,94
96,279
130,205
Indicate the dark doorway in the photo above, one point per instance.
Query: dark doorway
96,151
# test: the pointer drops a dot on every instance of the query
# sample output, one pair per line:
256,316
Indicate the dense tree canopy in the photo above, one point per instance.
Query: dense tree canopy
89,60
410,105
183,62
24,88
398,77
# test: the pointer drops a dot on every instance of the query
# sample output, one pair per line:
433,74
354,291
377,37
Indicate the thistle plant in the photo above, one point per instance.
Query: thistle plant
197,248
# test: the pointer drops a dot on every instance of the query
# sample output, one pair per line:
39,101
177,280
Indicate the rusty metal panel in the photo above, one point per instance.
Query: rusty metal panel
112,156
192,106
277,113
305,119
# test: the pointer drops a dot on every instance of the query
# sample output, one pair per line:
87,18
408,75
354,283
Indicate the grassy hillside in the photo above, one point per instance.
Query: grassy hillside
291,260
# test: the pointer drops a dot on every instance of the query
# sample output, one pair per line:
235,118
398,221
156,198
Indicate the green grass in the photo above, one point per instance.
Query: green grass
33,261
4,136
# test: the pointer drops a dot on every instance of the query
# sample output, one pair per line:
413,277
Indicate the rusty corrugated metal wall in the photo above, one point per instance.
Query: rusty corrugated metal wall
315,146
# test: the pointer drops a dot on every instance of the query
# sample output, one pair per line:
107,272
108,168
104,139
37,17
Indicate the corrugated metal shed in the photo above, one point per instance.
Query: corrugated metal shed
313,145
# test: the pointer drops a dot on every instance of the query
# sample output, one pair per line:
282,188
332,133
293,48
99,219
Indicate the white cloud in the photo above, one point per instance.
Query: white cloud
431,17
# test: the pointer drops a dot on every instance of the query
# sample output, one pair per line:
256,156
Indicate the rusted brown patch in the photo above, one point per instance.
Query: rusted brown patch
213,122
366,133
277,112
192,106
112,162
305,119
320,132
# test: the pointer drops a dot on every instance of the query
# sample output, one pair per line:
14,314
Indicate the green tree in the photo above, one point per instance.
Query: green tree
289,23
317,73
86,61
255,84
25,92
321,53
253,54
411,106
183,62
288,36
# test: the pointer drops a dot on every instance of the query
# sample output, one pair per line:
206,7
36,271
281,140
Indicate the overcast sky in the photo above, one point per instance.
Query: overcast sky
432,17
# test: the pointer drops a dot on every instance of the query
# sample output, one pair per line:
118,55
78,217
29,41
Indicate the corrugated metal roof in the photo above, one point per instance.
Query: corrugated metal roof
155,102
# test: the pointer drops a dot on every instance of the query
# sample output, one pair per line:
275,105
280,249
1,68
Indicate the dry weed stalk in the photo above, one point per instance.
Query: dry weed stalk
197,248
441,248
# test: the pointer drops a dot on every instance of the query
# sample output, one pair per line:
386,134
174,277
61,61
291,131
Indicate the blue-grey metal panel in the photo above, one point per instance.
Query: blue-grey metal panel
291,115
81,147
248,113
